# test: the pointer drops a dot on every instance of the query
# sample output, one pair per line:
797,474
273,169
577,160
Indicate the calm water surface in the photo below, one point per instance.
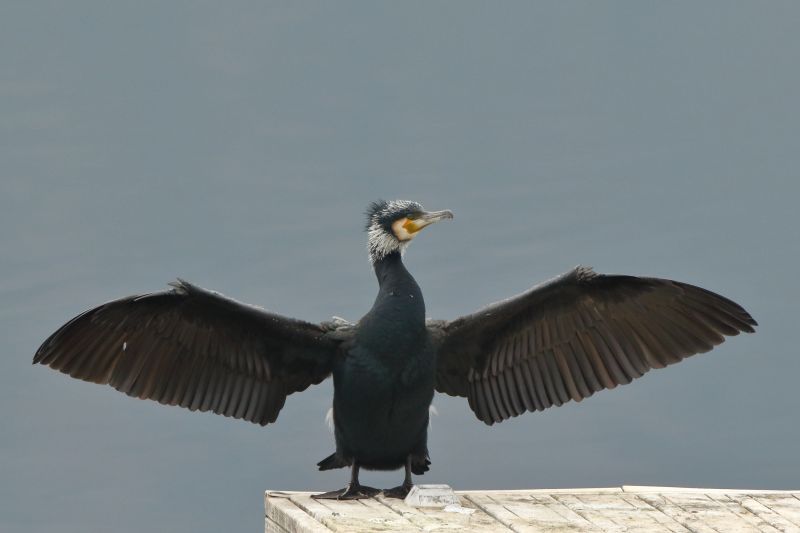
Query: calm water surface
237,146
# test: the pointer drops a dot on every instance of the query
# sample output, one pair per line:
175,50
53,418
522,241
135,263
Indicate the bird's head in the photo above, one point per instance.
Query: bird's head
392,225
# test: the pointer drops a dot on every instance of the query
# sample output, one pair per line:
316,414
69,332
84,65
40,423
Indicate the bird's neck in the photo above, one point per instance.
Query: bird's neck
397,284
391,272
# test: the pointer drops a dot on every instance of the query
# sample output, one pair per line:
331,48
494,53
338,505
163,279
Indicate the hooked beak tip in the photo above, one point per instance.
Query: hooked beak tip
435,216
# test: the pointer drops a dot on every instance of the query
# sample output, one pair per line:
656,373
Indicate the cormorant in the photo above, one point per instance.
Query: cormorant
562,340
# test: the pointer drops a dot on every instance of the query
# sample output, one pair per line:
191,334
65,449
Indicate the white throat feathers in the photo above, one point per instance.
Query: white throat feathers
386,232
381,243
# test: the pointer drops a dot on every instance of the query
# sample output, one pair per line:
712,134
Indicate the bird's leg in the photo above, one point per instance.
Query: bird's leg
402,491
353,491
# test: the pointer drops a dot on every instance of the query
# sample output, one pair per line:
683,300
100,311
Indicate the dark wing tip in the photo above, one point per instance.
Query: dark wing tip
745,321
41,353
749,321
747,318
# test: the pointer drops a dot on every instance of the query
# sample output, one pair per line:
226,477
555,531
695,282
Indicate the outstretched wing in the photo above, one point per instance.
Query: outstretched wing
194,348
573,336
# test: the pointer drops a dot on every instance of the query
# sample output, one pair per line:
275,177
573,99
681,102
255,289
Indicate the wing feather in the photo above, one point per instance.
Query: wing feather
194,348
575,335
539,388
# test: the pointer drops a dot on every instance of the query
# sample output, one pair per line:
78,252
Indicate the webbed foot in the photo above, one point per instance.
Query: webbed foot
350,492
399,492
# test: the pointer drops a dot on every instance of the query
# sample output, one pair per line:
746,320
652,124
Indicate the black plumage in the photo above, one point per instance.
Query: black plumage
573,336
560,341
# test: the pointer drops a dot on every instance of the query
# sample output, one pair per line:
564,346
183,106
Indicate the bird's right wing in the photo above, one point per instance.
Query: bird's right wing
573,336
194,348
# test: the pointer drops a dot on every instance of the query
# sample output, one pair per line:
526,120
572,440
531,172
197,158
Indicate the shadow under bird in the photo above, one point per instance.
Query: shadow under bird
562,340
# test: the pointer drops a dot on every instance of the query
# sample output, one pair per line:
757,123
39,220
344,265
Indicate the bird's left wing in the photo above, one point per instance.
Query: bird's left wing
194,348
573,336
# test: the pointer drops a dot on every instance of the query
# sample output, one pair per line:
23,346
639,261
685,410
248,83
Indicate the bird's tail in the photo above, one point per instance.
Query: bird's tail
419,464
333,461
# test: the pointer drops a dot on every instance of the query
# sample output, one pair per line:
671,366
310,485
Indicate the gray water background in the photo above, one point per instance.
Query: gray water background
237,144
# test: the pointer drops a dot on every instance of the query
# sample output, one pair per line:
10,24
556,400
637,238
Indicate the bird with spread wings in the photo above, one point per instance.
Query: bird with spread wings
563,340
